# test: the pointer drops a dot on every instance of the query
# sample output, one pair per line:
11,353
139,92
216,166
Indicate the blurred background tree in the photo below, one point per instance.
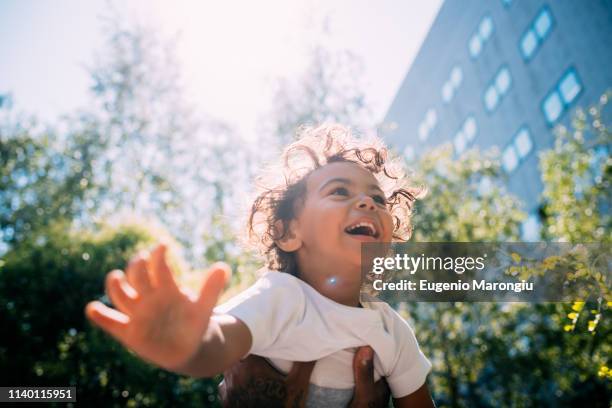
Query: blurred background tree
46,175
328,91
494,354
44,283
159,160
576,174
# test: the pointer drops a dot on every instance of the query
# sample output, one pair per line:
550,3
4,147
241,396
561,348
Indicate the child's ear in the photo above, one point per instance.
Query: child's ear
291,240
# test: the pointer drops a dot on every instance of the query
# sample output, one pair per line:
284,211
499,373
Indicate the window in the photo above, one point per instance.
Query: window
543,23
509,159
452,83
456,76
491,98
459,142
427,124
529,43
423,131
485,28
475,46
431,118
536,33
531,228
561,96
569,86
465,135
517,150
503,81
480,36
523,143
447,92
470,128
498,87
553,107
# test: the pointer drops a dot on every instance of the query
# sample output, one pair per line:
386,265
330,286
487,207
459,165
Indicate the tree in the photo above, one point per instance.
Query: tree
161,159
328,91
493,354
576,173
46,341
45,176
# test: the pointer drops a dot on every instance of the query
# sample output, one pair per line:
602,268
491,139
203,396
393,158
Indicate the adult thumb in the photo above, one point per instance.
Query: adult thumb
363,367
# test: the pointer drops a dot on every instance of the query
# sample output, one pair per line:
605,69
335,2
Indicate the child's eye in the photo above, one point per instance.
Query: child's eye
342,191
379,199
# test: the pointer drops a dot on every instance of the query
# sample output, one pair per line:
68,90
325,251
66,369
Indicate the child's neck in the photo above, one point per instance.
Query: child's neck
342,285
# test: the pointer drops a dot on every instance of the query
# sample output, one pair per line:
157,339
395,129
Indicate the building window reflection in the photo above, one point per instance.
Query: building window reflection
497,88
559,99
465,135
427,124
481,35
452,83
517,150
535,34
531,228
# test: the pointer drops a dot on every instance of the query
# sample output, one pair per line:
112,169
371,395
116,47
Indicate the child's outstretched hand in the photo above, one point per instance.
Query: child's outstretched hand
154,317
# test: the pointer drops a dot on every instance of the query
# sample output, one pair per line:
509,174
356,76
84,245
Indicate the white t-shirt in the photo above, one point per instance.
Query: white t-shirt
290,321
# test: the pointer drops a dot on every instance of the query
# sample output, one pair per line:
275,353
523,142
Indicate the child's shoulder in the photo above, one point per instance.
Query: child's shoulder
278,284
269,277
389,315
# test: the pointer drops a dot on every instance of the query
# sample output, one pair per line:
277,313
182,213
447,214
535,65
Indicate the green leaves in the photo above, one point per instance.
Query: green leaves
43,291
577,173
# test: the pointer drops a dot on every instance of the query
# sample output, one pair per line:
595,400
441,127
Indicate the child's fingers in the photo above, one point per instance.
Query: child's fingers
161,273
120,292
110,320
138,276
214,282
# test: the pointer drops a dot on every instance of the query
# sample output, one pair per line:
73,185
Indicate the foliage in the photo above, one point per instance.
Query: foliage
328,91
492,354
466,201
577,174
160,159
46,175
46,341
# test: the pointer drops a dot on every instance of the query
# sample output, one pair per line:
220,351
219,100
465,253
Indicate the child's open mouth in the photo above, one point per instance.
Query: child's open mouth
363,230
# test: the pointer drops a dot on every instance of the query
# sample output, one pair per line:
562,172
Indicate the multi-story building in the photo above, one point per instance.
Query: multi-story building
503,73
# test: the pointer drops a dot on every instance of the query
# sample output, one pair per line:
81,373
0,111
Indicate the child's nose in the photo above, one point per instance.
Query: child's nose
365,202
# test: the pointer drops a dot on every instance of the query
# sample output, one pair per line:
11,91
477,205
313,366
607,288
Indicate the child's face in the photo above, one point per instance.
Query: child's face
344,206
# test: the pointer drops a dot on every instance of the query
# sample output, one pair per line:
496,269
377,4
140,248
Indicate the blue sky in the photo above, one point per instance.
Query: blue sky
47,45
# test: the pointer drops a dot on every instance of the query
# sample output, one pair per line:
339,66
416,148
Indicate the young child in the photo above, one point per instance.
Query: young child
331,193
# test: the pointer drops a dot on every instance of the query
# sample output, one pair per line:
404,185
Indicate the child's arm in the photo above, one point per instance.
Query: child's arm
226,341
167,327
421,398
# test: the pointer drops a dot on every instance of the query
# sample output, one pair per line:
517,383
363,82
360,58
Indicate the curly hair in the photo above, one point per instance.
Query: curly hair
282,187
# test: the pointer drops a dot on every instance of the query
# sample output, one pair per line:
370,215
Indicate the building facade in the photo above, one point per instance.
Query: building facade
503,73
